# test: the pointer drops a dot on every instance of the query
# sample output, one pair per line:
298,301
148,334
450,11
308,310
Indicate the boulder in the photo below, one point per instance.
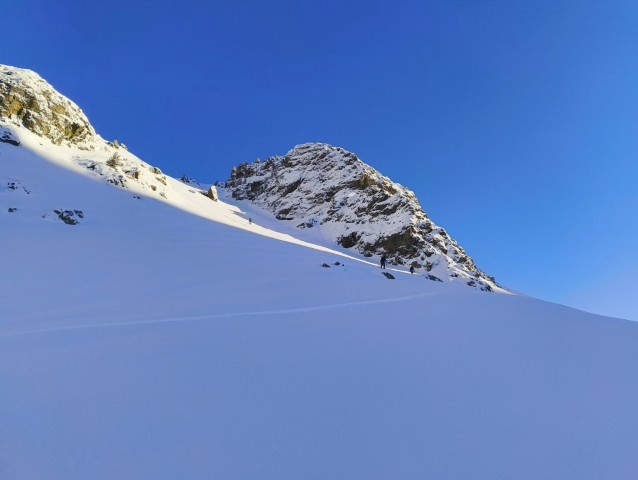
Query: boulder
212,193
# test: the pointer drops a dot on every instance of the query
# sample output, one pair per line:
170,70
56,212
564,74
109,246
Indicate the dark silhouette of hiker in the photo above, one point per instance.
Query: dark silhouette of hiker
250,221
383,261
411,269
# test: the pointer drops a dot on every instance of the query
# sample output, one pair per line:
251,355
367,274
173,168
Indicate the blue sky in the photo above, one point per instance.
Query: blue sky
515,122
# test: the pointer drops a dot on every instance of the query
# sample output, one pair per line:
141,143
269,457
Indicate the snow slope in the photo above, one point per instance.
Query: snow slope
147,331
150,342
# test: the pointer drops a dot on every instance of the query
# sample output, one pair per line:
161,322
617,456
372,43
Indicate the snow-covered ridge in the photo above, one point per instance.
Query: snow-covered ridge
320,186
27,100
315,186
26,199
34,116
29,200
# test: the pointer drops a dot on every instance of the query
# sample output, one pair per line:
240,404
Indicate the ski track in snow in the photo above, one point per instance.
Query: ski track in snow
194,318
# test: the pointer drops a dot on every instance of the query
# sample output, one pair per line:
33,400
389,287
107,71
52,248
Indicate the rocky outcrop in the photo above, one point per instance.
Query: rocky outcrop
212,193
328,188
27,100
69,217
7,136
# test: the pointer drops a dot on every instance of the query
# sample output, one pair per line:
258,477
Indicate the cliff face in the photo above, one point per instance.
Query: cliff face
26,99
320,186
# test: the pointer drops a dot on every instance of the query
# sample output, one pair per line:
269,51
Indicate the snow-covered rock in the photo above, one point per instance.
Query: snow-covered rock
212,193
185,179
27,100
320,186
32,111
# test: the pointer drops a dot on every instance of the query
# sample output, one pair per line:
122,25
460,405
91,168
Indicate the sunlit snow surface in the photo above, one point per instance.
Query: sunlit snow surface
149,342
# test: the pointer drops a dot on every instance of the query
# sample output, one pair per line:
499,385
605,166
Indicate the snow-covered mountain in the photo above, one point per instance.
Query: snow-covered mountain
314,186
330,189
157,333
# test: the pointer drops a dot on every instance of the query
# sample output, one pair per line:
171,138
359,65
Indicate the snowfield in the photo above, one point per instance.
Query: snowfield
167,338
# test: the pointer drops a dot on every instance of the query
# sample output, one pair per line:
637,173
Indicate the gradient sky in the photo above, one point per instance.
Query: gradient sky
514,122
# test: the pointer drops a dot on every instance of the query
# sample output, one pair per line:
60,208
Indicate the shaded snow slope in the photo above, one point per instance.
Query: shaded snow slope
449,386
330,190
146,342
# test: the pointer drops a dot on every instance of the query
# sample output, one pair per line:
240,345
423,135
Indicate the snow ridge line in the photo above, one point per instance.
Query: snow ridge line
193,318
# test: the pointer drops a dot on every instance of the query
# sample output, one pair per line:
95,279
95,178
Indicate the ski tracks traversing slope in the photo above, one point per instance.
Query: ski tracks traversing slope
396,388
219,316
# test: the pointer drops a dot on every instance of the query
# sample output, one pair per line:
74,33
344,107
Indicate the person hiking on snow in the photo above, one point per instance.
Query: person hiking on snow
411,269
383,260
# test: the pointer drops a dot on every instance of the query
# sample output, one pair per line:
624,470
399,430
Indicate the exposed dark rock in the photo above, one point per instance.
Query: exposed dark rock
119,181
188,180
70,217
7,137
309,224
349,241
16,186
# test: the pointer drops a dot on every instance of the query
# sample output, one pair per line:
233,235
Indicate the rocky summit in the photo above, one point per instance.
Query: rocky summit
27,100
319,186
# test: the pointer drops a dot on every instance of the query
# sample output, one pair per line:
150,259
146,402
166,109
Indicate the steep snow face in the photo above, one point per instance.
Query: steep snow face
26,99
146,343
319,186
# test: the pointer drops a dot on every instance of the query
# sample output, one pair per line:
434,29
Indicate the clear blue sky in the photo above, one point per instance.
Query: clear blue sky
515,122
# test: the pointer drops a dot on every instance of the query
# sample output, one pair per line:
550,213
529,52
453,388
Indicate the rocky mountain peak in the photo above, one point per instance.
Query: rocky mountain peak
316,185
27,100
